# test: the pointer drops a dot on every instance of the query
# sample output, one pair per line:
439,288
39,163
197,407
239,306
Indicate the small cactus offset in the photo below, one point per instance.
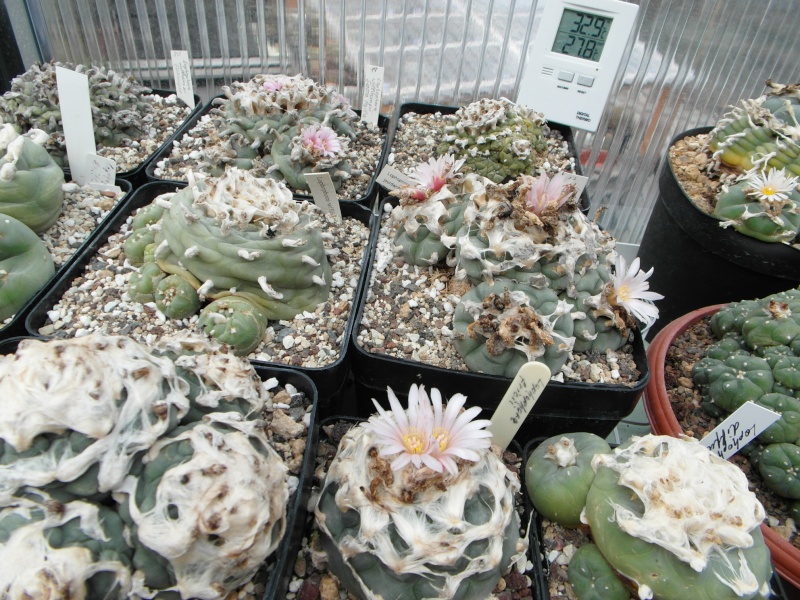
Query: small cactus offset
238,240
417,505
129,472
497,139
118,110
30,181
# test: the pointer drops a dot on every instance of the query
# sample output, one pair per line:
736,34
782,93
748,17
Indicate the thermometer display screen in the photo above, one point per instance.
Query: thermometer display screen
581,34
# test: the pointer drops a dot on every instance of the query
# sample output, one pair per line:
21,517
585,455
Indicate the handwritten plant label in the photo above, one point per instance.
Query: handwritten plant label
579,181
101,173
373,92
76,115
324,194
393,179
183,76
735,432
518,401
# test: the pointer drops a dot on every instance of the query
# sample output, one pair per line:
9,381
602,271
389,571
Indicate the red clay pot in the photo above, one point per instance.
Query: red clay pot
785,557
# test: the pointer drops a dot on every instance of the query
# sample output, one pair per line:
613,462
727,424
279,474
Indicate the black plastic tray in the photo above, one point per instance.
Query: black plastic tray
329,379
287,551
137,176
165,151
16,326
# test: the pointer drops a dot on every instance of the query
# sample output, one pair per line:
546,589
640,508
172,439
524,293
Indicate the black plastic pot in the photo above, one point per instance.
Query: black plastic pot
329,380
165,151
698,263
16,326
285,554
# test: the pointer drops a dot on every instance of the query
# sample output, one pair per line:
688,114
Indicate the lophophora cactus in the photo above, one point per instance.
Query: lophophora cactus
671,518
134,472
284,127
757,359
416,504
497,139
546,281
119,111
240,241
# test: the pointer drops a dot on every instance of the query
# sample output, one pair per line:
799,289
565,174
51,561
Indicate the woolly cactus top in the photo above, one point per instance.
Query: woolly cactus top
486,114
694,502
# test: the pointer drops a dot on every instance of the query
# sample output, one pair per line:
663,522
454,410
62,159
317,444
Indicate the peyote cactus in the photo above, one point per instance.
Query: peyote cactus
25,265
283,127
30,181
417,505
239,240
127,472
118,110
498,139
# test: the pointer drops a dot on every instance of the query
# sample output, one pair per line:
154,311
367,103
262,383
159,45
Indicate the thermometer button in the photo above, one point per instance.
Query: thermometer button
585,80
566,75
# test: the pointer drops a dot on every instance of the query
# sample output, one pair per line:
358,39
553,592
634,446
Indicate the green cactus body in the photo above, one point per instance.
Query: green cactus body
592,578
779,465
25,265
235,321
775,221
176,297
499,327
409,538
142,284
246,236
730,317
208,505
731,344
775,325
426,228
498,139
595,329
787,428
51,549
734,381
30,181
650,510
558,475
294,155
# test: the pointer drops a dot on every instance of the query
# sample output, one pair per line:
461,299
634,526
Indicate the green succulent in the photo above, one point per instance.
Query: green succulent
235,321
738,379
592,578
779,465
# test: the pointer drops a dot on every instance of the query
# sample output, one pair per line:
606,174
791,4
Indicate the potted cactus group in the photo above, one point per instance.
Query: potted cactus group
728,207
708,363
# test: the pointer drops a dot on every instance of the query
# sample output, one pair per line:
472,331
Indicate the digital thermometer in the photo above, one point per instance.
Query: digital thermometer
574,59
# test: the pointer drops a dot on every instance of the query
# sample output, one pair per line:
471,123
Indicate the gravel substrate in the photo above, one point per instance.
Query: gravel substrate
311,579
98,301
186,155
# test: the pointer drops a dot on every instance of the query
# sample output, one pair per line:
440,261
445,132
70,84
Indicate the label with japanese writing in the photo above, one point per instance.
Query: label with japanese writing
393,179
184,88
518,401
373,93
579,181
324,194
735,432
100,171
76,115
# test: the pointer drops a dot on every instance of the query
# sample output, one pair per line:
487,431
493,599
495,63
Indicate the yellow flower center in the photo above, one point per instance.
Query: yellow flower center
414,441
442,437
623,294
769,190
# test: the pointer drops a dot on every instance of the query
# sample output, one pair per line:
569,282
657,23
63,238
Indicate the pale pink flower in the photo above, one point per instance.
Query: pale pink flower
545,192
276,84
629,290
430,435
433,175
321,141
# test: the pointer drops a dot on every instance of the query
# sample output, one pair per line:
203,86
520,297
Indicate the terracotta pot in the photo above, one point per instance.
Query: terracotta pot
785,557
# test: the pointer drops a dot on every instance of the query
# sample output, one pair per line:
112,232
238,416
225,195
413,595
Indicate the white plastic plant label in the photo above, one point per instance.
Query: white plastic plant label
739,429
393,179
373,92
76,114
518,401
182,70
324,194
579,181
101,173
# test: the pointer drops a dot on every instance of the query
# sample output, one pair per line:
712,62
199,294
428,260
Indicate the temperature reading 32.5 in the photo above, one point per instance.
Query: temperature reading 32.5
581,34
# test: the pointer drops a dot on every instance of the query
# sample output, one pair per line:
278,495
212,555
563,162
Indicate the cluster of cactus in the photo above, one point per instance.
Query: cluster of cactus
757,358
667,517
240,241
543,275
394,529
134,472
119,111
283,127
498,139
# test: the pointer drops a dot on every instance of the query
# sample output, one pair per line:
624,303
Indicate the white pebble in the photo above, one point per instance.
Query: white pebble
288,342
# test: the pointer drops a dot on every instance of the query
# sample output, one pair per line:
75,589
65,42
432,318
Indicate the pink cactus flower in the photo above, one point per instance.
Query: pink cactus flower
321,141
545,192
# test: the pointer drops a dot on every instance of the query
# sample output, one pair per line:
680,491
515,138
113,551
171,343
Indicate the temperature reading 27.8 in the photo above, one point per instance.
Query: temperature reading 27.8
581,34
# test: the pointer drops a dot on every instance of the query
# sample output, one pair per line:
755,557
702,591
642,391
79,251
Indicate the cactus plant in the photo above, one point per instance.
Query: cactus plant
239,239
592,578
25,265
118,110
416,505
30,181
134,472
497,139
